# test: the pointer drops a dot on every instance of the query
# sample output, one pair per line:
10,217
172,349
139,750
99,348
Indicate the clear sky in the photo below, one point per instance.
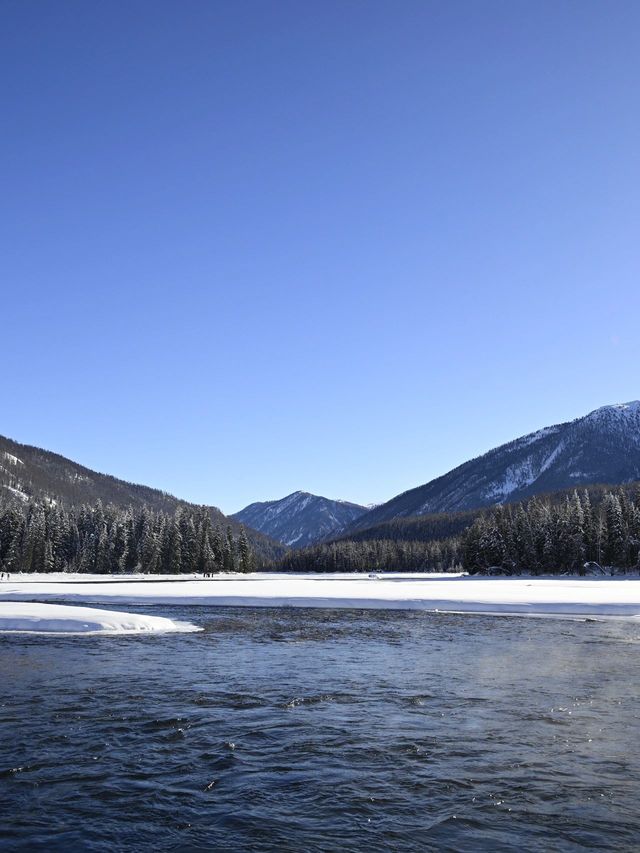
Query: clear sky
254,246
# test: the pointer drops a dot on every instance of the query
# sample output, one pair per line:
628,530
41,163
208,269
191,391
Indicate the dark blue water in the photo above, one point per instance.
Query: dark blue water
305,730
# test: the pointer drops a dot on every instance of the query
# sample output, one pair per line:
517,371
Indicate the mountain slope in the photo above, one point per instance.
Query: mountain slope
28,472
301,518
601,447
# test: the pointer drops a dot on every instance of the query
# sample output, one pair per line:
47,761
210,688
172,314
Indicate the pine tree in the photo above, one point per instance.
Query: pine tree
216,540
35,540
576,542
173,560
190,546
208,563
589,527
102,563
616,542
246,557
229,556
120,547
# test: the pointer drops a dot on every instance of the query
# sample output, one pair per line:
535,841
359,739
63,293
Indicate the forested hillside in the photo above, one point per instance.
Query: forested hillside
545,535
29,474
421,528
110,539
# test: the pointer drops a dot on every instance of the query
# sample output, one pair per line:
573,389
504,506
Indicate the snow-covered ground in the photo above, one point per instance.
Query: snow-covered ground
599,596
62,619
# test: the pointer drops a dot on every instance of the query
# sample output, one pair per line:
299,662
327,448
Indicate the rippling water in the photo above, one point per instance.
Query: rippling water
292,730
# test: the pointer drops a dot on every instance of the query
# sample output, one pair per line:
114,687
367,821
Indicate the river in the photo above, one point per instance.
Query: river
317,730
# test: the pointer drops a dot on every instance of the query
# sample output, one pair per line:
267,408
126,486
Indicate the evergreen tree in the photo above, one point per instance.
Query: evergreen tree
244,549
173,550
228,556
616,542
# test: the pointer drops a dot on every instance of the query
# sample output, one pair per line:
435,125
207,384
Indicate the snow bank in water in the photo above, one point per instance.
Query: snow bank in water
61,619
560,596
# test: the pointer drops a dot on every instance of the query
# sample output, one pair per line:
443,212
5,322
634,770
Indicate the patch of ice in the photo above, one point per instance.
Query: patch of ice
17,616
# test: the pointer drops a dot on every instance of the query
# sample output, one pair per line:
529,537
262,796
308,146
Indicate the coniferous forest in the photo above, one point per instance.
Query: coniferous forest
541,536
375,555
36,537
545,535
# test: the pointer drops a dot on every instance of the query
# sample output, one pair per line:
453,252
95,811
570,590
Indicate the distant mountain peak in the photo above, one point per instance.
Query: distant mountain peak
619,410
632,405
301,518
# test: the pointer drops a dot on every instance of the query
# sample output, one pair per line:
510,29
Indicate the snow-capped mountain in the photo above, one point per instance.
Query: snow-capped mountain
601,447
299,519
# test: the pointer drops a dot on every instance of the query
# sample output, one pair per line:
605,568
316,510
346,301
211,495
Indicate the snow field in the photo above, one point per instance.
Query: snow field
17,616
560,596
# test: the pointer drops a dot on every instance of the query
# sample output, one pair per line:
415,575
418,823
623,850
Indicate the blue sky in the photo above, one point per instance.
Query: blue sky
252,247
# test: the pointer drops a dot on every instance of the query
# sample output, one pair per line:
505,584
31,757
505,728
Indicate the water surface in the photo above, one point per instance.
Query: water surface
290,730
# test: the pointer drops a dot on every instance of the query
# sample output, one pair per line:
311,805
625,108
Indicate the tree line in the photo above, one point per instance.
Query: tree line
37,537
424,528
542,537
345,555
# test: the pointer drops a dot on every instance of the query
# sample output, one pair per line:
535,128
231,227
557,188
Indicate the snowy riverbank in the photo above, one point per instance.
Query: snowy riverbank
599,596
17,616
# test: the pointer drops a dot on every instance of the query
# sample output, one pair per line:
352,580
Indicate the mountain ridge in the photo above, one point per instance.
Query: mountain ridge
602,446
301,518
28,472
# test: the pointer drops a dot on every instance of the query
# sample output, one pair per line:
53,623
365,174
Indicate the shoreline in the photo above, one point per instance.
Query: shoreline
599,596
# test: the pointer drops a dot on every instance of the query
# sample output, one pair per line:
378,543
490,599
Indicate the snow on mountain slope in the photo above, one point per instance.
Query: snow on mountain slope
601,447
300,518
